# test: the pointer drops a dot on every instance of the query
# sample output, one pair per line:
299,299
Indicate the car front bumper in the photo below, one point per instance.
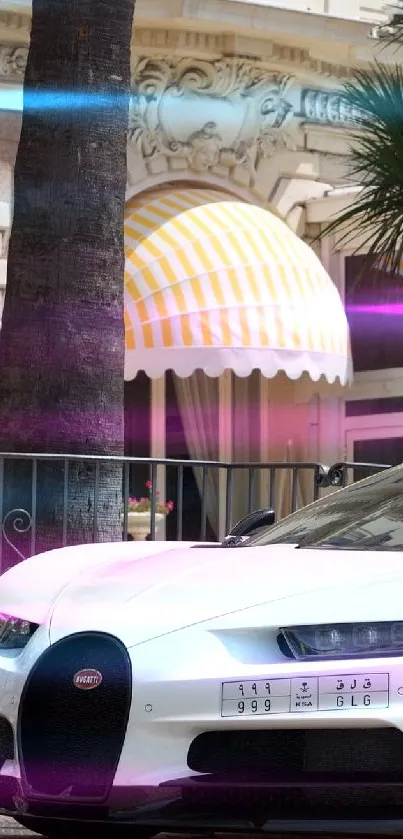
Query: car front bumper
177,697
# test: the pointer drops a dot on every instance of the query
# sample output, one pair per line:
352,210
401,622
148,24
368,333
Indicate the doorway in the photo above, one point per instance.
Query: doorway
137,413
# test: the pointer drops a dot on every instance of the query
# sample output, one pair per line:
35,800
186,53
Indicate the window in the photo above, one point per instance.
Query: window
364,516
374,310
370,407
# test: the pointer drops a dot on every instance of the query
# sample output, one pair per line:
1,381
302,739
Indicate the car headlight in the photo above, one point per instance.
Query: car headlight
15,632
342,640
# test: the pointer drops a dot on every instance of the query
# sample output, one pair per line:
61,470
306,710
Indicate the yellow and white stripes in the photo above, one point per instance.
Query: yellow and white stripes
215,283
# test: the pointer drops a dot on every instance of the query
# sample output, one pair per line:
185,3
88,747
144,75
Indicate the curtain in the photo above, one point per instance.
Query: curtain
283,503
246,435
197,397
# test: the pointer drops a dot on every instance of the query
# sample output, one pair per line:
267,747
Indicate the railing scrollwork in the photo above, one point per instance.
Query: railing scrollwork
16,521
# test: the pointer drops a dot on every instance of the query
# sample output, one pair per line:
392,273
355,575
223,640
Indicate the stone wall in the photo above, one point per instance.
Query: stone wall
225,92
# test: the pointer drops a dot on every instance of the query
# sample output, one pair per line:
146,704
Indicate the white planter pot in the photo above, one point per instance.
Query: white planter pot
139,524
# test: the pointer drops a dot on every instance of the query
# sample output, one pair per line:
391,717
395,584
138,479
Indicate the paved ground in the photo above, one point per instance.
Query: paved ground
9,829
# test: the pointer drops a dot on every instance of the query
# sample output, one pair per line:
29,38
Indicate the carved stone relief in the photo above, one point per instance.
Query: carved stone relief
226,112
327,107
211,115
13,61
4,241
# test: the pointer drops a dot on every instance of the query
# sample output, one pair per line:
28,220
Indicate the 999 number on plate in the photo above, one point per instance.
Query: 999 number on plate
313,693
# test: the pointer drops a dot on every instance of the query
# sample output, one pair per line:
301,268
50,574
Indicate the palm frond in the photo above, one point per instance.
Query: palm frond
376,163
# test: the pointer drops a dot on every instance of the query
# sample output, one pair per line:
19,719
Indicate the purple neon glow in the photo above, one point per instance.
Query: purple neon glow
377,309
246,428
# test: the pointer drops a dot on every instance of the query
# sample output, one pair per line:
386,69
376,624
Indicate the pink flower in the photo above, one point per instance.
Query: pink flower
170,506
148,484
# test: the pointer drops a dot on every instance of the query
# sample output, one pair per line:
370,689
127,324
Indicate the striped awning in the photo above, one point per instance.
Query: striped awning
214,283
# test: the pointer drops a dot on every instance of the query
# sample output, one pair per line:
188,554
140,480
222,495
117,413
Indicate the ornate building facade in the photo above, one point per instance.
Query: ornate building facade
244,97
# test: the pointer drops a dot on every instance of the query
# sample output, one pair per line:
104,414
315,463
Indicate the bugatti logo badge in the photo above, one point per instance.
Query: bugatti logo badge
87,679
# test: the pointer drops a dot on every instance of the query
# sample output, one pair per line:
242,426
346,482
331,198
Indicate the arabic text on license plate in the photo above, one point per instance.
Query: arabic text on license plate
313,693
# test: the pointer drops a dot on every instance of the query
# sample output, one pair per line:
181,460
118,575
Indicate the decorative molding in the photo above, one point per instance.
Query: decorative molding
197,43
16,21
226,113
327,108
181,40
13,60
205,44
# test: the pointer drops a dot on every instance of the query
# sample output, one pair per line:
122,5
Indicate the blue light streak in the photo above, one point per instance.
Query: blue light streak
12,99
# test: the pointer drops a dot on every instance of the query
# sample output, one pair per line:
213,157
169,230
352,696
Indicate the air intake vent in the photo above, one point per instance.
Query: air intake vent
290,751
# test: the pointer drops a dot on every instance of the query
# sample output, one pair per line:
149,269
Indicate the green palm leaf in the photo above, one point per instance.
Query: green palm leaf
376,162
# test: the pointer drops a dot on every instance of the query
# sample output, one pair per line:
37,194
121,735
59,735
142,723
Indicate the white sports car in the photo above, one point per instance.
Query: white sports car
200,688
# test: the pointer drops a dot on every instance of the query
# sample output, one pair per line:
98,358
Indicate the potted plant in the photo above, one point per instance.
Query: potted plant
139,514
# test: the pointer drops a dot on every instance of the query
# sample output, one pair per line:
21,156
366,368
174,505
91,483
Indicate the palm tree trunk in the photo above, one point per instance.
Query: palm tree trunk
62,337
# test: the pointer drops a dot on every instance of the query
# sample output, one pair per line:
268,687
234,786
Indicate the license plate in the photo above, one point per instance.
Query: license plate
312,693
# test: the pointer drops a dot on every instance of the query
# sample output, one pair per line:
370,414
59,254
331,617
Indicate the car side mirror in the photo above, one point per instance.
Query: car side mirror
251,522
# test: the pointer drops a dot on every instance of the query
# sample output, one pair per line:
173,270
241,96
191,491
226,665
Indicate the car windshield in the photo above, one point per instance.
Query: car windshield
367,515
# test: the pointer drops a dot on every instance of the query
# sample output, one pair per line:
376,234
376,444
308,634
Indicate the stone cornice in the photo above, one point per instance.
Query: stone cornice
260,16
155,41
152,42
15,22
187,28
314,21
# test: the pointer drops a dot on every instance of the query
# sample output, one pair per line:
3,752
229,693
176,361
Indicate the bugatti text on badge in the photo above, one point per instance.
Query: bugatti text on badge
87,679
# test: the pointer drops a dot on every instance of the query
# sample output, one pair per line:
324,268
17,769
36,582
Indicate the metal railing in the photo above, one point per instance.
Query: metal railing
27,482
340,474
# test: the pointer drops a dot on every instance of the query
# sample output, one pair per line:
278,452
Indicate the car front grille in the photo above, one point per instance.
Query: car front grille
70,739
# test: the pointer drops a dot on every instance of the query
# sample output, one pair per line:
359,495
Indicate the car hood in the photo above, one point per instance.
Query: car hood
142,591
